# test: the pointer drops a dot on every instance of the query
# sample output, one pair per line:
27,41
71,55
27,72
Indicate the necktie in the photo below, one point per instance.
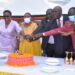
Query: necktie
58,23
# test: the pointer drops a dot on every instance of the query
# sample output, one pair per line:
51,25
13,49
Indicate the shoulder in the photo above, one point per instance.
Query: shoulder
33,23
15,22
44,20
65,17
1,20
22,24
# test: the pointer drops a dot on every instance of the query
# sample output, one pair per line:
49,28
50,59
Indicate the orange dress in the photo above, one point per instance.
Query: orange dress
33,47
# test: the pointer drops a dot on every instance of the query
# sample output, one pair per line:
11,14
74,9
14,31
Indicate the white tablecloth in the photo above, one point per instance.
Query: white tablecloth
36,69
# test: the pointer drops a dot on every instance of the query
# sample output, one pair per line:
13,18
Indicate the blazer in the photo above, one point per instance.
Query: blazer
66,28
62,43
45,26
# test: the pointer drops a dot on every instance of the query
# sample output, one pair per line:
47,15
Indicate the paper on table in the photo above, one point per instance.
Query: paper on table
2,55
69,69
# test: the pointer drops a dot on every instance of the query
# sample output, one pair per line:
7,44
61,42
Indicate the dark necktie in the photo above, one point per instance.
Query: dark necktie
58,23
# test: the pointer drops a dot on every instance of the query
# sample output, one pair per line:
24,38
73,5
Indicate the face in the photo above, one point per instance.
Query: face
49,14
7,16
71,12
27,18
72,15
57,12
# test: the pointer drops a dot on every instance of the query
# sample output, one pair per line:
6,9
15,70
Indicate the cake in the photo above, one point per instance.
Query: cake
15,59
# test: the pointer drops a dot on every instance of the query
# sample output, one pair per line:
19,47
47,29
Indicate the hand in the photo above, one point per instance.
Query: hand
16,51
28,37
63,33
37,36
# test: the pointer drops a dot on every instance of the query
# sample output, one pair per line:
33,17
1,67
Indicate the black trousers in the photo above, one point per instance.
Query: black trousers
49,50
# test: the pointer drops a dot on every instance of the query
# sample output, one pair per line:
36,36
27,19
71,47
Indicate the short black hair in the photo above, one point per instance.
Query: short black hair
7,11
27,14
69,11
49,11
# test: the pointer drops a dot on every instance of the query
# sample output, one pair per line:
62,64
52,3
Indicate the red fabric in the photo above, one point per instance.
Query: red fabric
52,32
66,28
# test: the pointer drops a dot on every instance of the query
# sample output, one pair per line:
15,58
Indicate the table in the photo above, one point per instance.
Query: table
36,69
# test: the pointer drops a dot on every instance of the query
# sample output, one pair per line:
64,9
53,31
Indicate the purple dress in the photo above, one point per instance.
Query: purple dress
8,35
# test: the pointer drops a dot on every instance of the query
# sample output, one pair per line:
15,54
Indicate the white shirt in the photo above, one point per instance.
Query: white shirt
51,40
61,21
8,35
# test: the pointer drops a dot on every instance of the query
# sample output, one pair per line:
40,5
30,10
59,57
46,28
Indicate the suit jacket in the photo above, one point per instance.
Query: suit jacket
62,43
45,26
66,28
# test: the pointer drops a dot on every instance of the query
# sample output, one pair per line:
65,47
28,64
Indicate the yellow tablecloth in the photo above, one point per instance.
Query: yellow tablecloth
8,73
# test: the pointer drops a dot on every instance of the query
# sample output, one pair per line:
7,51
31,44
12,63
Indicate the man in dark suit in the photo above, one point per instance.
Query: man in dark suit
61,43
46,24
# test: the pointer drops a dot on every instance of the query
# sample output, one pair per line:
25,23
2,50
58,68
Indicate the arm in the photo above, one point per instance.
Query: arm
52,32
38,30
21,33
67,33
66,28
18,28
42,27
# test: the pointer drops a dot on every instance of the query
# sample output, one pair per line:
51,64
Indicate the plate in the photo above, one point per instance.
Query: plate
3,56
49,70
69,69
52,61
53,64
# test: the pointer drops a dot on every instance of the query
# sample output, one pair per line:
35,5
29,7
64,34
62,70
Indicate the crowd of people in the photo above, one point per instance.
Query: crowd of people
57,32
